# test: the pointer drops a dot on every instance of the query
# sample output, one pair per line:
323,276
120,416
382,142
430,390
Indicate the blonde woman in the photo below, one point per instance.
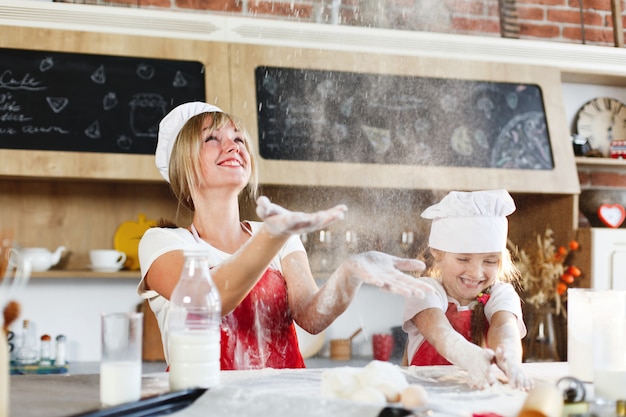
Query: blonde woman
260,268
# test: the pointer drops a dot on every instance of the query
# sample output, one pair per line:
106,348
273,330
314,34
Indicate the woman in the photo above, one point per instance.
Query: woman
260,269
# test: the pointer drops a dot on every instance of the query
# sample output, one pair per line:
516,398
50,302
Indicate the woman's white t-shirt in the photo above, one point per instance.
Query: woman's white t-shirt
157,241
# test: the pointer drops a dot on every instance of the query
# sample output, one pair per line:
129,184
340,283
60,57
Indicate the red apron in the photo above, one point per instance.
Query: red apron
260,332
461,321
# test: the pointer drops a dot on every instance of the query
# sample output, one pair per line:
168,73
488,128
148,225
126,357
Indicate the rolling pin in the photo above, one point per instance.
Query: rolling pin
545,400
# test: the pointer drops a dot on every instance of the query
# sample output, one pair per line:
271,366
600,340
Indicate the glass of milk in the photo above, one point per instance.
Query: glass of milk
120,364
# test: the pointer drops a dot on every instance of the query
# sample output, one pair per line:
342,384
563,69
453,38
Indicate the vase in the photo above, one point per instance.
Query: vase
540,343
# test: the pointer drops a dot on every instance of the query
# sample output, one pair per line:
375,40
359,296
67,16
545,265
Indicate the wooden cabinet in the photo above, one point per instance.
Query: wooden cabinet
79,199
379,216
80,215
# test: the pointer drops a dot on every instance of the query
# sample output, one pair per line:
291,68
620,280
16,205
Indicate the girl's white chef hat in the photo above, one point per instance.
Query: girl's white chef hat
170,126
470,222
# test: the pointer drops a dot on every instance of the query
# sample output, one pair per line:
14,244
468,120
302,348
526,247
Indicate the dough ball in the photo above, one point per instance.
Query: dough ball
369,395
378,382
339,382
414,396
378,373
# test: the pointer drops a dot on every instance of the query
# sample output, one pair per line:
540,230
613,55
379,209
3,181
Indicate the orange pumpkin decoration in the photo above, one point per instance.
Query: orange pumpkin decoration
127,239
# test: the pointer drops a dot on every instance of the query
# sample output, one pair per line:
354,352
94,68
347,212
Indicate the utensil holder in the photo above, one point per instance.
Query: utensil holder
341,349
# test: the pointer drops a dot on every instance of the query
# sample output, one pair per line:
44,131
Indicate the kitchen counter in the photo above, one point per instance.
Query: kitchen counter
274,392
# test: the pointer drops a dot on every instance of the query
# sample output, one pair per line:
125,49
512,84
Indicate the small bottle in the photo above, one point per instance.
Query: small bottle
194,327
4,374
45,346
59,359
27,353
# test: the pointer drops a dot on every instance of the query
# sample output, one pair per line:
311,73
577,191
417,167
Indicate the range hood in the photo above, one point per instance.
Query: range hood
242,44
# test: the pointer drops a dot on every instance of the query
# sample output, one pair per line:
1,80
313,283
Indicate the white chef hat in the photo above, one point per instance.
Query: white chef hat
170,126
470,222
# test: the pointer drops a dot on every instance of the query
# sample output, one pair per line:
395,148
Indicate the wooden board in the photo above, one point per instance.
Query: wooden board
86,102
60,164
355,117
561,179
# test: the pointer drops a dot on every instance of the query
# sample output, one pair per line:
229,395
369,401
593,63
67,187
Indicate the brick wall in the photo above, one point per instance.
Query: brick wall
601,183
604,178
552,20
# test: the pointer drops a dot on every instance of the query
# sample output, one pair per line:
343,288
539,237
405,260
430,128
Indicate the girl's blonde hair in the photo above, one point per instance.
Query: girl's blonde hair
185,162
507,272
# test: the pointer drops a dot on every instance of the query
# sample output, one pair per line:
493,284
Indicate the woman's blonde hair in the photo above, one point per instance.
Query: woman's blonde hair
185,170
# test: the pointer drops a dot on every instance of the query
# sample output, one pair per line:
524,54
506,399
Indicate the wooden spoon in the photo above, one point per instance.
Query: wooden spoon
355,333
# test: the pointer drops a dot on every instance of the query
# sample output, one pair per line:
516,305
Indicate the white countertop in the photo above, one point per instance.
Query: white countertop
275,393
278,393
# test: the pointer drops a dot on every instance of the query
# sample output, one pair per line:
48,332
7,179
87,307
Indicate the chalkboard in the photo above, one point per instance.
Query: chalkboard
90,103
331,116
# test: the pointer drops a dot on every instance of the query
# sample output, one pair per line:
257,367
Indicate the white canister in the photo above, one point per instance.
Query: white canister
584,307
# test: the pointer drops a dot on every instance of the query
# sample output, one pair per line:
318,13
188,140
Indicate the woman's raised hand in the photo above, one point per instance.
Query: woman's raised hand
374,268
280,221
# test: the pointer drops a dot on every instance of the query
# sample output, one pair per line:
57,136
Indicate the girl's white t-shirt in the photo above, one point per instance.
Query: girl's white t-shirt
503,297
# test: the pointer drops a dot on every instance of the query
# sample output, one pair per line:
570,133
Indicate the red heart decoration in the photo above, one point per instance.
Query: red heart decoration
612,215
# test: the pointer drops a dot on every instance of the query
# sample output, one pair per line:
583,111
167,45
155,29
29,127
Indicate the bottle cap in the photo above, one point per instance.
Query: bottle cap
195,251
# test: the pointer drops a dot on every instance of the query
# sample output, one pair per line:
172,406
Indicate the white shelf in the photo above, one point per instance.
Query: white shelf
87,274
591,162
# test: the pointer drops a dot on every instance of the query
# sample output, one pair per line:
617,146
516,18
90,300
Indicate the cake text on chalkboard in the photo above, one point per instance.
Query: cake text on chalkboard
332,116
90,103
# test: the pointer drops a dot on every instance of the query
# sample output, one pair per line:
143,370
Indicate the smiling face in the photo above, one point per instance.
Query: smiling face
465,275
225,160
211,150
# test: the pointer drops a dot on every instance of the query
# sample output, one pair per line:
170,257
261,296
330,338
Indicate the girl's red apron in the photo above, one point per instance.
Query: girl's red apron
461,321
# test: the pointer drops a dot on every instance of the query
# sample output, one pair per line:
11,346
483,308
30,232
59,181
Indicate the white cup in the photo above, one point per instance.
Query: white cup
609,359
120,364
107,259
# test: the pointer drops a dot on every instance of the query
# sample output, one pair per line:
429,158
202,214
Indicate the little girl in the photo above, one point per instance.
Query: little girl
473,318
